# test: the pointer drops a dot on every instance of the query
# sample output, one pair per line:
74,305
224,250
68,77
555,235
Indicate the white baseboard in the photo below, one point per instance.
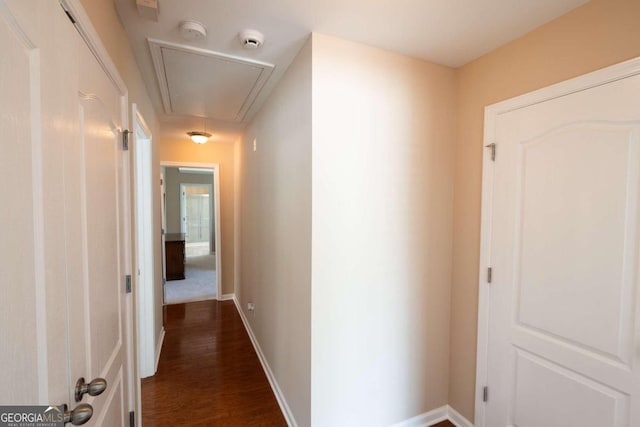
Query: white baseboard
158,350
226,297
434,417
427,419
457,419
284,407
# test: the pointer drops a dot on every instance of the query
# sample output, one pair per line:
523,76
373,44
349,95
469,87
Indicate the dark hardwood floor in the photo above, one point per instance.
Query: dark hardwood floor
209,374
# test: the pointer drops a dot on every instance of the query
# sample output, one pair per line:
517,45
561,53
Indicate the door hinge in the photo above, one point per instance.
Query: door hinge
127,283
489,274
485,394
125,139
132,419
493,151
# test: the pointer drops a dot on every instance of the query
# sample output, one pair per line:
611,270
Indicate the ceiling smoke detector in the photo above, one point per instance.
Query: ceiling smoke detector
251,39
192,30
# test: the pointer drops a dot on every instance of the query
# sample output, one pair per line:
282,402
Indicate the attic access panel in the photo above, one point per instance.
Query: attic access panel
204,83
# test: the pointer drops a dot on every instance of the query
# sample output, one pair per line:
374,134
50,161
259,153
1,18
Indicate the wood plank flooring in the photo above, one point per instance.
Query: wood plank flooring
209,374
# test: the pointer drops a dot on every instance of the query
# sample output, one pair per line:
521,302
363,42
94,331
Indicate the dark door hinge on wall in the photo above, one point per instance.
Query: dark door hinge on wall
127,283
125,139
489,274
493,151
485,394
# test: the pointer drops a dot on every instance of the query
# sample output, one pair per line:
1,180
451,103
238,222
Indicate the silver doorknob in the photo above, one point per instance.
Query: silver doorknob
78,416
94,388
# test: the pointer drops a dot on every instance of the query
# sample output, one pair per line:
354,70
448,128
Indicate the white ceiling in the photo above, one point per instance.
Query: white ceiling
448,32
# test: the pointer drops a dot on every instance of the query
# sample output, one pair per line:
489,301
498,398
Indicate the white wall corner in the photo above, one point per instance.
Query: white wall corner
284,407
159,349
457,419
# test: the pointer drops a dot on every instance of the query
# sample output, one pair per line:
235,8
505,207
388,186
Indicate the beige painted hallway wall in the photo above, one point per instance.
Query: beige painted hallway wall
383,144
601,33
185,151
275,233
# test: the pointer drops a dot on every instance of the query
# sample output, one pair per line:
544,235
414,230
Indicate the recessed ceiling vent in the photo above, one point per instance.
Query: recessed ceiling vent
202,83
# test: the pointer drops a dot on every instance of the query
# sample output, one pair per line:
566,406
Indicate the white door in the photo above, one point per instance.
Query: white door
563,343
64,253
33,353
97,243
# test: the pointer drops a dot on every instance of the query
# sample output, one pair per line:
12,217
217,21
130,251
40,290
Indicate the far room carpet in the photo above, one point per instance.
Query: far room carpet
199,283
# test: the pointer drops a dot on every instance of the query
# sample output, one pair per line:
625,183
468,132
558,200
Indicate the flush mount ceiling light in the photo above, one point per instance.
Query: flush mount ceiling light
199,137
192,30
251,39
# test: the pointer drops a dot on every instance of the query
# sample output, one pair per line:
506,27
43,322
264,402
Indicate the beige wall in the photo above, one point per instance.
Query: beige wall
107,24
276,232
601,33
383,144
185,151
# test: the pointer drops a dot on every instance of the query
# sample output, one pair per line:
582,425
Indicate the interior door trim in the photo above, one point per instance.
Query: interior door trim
217,223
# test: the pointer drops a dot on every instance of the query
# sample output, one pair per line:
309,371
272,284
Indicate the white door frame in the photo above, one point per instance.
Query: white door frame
141,148
216,210
587,81
89,34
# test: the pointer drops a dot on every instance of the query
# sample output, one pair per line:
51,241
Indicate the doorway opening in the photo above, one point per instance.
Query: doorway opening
191,204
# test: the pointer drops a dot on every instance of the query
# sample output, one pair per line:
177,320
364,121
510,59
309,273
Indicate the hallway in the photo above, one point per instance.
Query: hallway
208,373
